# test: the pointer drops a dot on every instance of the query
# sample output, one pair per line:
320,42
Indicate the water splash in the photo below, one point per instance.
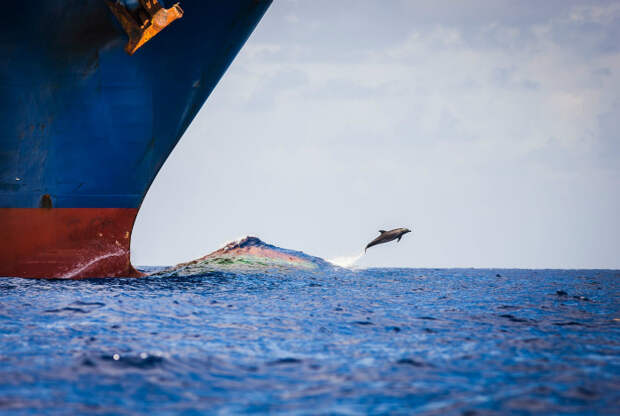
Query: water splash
82,267
346,261
234,241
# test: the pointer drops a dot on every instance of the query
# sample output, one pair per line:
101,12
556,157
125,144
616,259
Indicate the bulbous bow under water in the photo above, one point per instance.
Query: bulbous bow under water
249,254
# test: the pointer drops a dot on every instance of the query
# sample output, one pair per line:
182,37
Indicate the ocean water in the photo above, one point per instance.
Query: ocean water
376,341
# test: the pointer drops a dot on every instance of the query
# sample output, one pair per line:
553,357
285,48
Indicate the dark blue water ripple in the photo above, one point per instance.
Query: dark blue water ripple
339,342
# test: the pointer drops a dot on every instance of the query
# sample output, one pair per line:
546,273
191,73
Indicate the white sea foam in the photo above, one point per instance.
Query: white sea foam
346,261
234,242
82,267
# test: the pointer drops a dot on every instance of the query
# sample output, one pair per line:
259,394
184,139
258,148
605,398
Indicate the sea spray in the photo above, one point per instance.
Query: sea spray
346,261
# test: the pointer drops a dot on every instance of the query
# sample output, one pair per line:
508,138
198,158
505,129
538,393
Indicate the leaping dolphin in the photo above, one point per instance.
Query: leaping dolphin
387,236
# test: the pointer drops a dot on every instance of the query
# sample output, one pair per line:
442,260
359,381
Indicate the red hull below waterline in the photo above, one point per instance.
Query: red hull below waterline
67,243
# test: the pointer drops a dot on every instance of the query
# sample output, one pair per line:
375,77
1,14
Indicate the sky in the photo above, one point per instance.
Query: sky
488,127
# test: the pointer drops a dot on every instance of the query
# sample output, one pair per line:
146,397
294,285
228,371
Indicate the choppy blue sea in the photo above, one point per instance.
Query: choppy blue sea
377,341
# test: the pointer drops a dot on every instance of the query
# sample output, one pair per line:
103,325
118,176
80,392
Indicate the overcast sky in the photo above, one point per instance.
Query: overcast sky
491,128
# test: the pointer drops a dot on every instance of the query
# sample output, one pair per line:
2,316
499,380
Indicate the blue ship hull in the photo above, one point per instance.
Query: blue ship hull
84,125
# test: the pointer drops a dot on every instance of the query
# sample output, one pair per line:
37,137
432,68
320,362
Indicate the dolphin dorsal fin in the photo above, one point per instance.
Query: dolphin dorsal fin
382,231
